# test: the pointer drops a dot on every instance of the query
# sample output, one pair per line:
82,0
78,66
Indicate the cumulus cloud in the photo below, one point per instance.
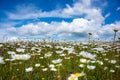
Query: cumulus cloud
7,24
13,38
77,28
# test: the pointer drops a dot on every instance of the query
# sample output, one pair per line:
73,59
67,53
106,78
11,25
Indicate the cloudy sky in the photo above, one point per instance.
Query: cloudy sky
59,19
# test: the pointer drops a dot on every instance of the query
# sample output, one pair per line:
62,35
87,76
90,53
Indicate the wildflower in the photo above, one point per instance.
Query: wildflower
48,55
53,69
29,69
116,55
92,61
90,33
59,52
104,54
11,52
17,40
100,62
41,57
1,60
20,62
98,49
59,64
57,61
78,74
106,59
51,66
1,45
112,71
113,61
81,65
70,50
91,67
20,56
37,65
45,69
115,31
20,50
16,57
117,66
7,59
42,66
62,54
83,60
75,76
105,68
72,77
33,48
87,55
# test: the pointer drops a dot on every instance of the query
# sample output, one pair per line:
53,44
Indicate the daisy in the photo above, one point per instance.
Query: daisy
37,65
45,69
1,60
83,60
91,67
57,61
29,69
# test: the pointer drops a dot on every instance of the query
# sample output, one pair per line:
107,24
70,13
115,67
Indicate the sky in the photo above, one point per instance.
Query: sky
59,19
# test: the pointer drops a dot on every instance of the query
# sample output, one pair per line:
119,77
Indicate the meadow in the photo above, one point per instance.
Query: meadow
59,60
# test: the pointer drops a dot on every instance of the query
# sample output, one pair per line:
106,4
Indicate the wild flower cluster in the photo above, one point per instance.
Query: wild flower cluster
59,60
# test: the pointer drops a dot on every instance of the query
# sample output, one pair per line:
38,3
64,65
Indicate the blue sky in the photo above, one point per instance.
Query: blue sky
59,19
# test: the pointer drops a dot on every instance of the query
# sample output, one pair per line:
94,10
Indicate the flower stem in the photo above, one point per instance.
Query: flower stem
58,72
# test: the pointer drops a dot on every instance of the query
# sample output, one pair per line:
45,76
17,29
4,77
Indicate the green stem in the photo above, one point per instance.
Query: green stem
114,36
58,72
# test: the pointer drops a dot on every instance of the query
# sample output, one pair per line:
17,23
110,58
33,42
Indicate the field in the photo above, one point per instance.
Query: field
59,60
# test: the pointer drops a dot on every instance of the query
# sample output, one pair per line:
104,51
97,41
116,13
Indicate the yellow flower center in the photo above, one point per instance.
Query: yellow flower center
72,78
78,74
17,40
16,57
42,66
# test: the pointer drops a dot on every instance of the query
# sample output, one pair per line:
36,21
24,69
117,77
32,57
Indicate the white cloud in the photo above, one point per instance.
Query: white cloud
77,28
7,24
2,34
107,15
107,30
84,9
79,8
12,38
118,9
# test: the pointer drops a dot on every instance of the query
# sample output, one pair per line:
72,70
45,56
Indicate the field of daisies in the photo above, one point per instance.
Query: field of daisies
59,60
